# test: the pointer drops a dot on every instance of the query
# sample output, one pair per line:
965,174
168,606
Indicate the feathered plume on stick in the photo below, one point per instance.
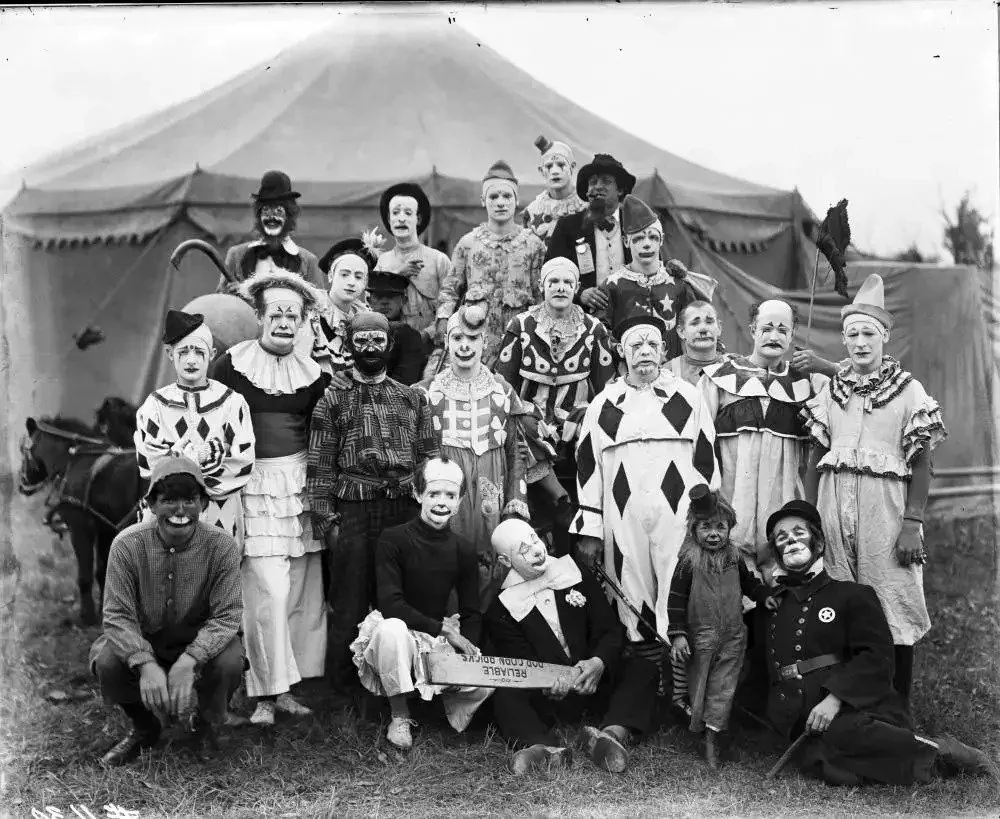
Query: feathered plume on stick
373,241
832,241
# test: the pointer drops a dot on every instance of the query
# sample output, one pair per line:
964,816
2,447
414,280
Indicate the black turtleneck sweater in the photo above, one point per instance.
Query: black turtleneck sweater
416,567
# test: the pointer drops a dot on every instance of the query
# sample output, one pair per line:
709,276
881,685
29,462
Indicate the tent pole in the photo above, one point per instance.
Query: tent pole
812,297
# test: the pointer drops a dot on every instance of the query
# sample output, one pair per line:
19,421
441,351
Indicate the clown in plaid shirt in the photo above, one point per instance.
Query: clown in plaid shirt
201,419
365,442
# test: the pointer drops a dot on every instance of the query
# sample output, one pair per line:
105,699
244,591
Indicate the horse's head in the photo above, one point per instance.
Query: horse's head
116,421
47,448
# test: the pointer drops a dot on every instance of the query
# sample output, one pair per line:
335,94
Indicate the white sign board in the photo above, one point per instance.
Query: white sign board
493,672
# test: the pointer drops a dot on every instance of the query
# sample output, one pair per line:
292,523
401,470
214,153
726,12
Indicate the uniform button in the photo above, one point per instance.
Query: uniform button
464,406
170,601
802,620
170,576
172,551
465,422
798,633
798,648
781,696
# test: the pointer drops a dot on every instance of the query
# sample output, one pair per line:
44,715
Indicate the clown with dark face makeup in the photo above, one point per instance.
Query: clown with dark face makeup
365,443
285,619
201,418
275,214
705,607
874,429
475,413
830,664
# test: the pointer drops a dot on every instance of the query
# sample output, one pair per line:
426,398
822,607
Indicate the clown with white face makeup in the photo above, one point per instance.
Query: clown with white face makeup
475,413
366,441
646,285
417,567
406,212
284,615
201,419
645,440
496,265
755,402
558,172
874,429
275,215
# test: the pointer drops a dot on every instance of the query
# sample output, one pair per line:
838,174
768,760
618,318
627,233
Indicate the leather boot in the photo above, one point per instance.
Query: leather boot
128,749
712,750
964,758
540,755
604,749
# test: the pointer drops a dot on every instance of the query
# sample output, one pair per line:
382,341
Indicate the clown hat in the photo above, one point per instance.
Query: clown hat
636,215
500,170
640,320
179,324
870,301
546,146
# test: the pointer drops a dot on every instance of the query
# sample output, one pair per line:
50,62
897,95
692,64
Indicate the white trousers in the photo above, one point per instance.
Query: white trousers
284,621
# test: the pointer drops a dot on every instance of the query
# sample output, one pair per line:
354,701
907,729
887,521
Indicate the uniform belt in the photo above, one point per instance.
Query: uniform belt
796,671
399,484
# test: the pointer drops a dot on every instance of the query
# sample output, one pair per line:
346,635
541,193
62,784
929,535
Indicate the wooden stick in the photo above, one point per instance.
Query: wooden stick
812,297
787,755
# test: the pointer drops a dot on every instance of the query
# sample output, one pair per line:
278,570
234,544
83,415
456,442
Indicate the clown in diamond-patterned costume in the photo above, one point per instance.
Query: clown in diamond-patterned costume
202,419
641,450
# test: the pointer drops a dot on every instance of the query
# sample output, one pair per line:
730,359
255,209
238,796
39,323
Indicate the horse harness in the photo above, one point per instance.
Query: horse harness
85,446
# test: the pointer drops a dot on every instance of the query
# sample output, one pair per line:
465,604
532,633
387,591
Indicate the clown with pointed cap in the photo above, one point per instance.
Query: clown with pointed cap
275,216
873,429
558,170
645,440
284,615
646,284
476,414
200,418
366,441
552,611
830,665
406,212
755,402
496,265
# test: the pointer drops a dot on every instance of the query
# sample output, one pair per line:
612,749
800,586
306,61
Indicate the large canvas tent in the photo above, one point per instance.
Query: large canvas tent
87,239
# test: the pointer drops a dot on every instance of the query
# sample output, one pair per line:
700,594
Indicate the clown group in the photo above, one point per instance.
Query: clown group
383,512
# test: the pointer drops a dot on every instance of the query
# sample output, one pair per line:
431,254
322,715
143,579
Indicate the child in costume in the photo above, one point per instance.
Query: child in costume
559,198
705,607
417,566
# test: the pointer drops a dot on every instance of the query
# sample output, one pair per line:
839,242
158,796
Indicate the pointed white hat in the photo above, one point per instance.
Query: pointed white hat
870,301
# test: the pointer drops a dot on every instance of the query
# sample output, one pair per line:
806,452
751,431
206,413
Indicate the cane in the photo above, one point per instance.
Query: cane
787,755
604,577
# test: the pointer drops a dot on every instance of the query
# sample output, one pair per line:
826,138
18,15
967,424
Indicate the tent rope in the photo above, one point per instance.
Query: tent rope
115,290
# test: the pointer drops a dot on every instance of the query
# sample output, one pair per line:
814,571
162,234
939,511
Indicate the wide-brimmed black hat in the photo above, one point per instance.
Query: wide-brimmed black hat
603,163
424,209
275,186
353,245
799,508
640,318
381,281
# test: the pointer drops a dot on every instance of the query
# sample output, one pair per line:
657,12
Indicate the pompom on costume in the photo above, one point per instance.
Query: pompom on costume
210,424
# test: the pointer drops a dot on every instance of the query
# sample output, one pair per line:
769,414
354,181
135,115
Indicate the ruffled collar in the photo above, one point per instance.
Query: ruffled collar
274,374
509,241
518,595
559,333
545,203
483,383
661,276
878,388
739,376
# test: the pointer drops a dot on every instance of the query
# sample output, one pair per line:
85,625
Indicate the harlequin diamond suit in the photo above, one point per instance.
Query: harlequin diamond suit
181,420
640,452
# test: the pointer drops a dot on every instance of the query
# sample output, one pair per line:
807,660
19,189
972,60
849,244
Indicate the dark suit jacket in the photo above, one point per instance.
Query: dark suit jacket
562,242
308,269
591,630
406,359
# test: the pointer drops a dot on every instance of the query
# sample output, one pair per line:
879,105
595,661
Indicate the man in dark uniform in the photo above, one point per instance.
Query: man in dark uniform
830,663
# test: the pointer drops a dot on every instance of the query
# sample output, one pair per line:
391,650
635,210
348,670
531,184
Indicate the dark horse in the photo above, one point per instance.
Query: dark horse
95,485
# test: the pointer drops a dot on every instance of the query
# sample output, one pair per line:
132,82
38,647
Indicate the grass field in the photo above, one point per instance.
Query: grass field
338,763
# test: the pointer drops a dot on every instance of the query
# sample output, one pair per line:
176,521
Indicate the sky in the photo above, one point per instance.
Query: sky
893,105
